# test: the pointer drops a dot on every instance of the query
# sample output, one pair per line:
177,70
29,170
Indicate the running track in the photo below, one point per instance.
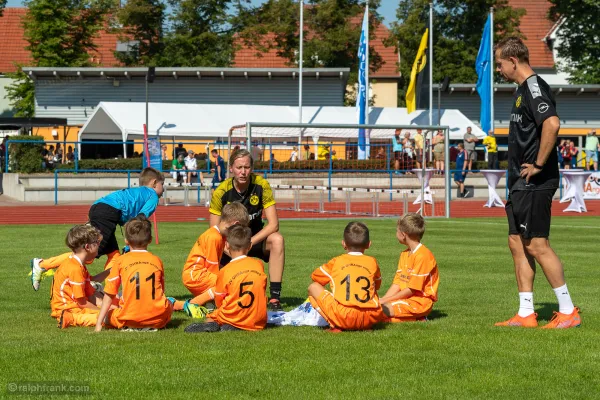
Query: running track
13,213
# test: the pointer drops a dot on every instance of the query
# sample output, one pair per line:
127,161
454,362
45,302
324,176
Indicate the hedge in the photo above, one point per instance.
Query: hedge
26,157
119,164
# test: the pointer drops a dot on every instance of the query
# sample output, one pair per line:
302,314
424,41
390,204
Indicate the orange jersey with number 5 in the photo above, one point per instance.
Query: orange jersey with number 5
143,301
354,279
240,294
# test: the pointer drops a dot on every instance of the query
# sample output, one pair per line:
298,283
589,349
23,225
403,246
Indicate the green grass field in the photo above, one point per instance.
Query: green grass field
457,354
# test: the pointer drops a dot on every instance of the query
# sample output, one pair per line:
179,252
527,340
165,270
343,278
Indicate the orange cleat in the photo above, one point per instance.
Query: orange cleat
563,321
529,321
66,319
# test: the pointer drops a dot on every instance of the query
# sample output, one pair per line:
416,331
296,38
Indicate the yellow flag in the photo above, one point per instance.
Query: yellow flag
418,66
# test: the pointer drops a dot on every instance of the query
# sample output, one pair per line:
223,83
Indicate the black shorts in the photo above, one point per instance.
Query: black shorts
257,251
105,218
398,155
529,212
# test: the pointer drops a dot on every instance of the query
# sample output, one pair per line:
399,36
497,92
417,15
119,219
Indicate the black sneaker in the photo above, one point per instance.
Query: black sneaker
202,327
227,327
274,305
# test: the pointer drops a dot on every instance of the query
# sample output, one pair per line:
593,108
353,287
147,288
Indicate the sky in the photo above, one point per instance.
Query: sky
387,8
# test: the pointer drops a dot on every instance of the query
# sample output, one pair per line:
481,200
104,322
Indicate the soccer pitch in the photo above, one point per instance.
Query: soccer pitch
457,354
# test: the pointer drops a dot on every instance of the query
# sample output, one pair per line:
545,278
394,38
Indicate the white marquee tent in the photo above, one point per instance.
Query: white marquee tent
124,121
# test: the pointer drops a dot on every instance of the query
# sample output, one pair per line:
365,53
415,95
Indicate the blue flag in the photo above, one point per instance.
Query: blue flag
361,94
155,154
484,77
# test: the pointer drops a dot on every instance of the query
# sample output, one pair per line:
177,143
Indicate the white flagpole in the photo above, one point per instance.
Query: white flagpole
430,63
300,78
367,132
492,63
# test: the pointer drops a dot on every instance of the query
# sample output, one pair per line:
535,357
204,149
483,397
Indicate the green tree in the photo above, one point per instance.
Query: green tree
331,33
579,38
2,5
59,33
201,33
458,26
141,24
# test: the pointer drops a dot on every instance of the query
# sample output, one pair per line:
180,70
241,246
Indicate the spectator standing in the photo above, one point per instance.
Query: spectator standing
306,152
294,156
566,154
397,148
591,150
419,148
70,155
438,151
257,153
470,141
179,150
407,143
163,150
574,154
219,168
492,149
3,153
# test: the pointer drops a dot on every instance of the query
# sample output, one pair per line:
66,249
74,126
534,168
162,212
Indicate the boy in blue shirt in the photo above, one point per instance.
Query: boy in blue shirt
105,214
460,170
397,148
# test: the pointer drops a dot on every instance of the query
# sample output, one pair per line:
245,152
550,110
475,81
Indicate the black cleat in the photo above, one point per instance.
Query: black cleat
274,305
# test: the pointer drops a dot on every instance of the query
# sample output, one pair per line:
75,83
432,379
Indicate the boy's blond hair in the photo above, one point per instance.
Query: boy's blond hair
239,237
356,236
80,235
413,225
235,212
241,153
138,231
149,174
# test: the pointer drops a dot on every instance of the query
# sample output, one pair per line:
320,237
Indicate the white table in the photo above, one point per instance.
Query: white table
493,176
569,190
576,181
427,176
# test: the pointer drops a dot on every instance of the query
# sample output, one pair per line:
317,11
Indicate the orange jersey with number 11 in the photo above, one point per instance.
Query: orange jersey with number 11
240,294
354,279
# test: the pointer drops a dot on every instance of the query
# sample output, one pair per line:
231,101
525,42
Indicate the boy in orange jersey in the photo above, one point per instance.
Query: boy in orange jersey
105,214
354,279
74,301
415,285
202,265
143,304
240,292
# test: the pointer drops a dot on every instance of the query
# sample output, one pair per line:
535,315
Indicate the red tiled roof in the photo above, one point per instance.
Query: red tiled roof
247,57
13,43
535,25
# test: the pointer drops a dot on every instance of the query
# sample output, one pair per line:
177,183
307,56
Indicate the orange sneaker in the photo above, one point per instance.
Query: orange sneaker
66,319
562,321
529,321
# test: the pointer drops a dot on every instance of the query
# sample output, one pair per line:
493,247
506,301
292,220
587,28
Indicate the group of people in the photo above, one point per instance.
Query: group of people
224,268
52,156
569,156
184,168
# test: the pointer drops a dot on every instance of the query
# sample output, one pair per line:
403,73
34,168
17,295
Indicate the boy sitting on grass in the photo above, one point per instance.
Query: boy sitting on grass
240,291
202,266
415,285
143,304
105,214
74,302
354,279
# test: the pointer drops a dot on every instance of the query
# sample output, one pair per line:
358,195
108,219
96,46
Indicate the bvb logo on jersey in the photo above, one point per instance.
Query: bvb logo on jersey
518,103
254,200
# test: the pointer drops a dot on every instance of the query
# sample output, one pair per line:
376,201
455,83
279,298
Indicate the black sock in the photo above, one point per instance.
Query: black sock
275,289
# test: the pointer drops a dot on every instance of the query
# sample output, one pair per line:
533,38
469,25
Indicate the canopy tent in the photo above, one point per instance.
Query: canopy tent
124,121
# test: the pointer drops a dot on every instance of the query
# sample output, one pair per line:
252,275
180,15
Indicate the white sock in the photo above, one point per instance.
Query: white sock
525,304
565,304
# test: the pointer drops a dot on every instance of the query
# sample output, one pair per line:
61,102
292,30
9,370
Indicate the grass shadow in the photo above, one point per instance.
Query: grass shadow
292,301
545,311
436,314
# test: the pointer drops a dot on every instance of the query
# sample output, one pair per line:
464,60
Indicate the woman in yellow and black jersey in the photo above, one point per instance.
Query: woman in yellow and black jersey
255,193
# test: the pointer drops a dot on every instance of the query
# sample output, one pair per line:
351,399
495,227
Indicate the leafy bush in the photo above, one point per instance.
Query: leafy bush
26,157
118,164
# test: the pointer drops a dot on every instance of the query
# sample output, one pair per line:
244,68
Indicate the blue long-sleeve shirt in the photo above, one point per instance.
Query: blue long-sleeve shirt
132,202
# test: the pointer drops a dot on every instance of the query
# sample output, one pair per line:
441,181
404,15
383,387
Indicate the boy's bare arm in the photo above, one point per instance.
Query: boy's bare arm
106,303
394,293
101,276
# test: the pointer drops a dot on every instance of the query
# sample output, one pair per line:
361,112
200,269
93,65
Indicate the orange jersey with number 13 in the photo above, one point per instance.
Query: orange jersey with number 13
354,279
